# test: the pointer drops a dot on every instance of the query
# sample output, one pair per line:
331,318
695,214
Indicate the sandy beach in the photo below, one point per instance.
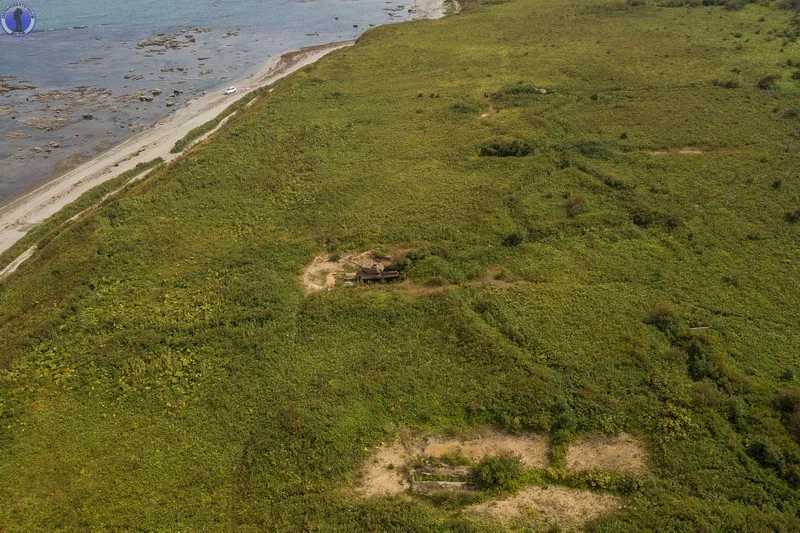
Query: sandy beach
19,216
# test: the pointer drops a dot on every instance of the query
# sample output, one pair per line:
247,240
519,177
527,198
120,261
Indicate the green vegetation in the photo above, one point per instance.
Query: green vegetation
199,131
502,473
163,369
50,227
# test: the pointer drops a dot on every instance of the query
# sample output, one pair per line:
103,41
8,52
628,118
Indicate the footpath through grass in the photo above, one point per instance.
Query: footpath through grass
161,368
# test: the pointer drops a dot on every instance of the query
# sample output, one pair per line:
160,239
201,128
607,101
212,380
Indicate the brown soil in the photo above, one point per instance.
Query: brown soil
384,473
322,273
679,151
569,508
622,453
531,448
5,110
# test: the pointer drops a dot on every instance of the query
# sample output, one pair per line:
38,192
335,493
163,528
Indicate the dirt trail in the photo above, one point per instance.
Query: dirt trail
19,216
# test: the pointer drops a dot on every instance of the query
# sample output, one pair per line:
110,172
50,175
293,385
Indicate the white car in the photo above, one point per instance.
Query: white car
230,90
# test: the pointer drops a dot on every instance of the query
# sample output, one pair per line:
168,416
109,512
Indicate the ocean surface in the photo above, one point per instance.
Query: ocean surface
93,73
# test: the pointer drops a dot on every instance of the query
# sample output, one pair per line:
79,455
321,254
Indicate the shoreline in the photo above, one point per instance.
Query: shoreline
28,211
20,215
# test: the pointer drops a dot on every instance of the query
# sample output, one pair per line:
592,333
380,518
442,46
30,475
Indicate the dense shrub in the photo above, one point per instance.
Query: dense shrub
576,205
499,473
766,453
514,239
506,149
767,83
788,404
730,84
793,216
789,4
523,89
642,215
663,316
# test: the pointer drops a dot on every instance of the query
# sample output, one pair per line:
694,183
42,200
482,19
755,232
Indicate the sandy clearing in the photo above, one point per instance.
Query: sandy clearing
384,473
569,508
321,273
531,448
621,453
19,216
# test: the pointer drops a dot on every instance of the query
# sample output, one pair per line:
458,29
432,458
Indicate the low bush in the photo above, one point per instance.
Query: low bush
662,316
513,239
576,205
767,83
499,473
506,149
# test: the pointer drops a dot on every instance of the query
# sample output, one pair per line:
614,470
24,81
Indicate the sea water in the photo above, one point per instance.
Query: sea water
85,54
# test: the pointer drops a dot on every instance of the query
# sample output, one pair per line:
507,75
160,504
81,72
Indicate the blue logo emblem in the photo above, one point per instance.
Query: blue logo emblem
18,20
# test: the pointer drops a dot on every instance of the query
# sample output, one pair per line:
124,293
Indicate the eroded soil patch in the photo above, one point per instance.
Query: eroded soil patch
621,453
568,508
326,270
531,448
387,472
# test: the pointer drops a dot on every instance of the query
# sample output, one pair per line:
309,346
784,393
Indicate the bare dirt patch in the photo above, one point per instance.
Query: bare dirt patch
679,151
489,113
568,508
324,271
621,453
384,473
531,448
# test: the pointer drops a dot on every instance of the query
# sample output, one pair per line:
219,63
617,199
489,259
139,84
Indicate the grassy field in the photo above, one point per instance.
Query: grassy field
162,369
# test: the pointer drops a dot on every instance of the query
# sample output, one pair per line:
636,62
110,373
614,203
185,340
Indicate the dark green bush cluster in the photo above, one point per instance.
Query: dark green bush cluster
767,83
645,216
500,148
499,473
576,205
783,460
789,5
788,404
730,84
706,360
663,317
523,89
792,216
514,239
